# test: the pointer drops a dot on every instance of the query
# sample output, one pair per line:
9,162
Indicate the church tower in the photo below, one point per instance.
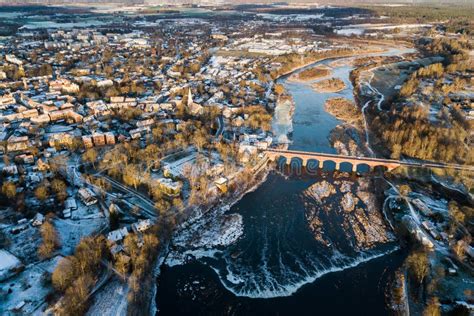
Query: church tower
190,98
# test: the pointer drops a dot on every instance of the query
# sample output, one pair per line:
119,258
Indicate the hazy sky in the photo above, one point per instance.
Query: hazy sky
241,1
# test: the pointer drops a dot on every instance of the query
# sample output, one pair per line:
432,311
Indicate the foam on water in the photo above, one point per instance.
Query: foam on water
264,284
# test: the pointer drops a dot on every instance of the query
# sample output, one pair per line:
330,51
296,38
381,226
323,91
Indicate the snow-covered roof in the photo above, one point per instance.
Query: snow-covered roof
8,263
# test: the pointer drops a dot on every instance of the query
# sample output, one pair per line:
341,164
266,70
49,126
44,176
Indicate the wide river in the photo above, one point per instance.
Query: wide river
277,267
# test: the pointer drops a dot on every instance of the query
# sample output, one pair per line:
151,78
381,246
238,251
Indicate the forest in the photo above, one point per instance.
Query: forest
410,129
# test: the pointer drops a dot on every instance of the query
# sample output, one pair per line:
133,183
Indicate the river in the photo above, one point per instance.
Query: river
280,265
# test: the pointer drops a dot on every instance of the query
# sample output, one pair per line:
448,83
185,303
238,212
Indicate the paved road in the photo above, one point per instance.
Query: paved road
146,204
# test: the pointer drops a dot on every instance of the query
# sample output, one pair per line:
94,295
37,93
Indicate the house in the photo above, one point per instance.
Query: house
110,138
142,226
118,234
169,187
17,143
87,141
38,220
87,196
221,184
215,169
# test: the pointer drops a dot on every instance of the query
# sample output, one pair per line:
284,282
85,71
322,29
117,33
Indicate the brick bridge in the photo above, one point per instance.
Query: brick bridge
390,164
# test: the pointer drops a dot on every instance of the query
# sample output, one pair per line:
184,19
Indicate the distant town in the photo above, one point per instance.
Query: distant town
131,138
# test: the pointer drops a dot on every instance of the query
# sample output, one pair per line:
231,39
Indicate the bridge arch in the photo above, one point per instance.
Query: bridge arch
296,165
362,168
346,166
280,161
328,165
312,166
380,168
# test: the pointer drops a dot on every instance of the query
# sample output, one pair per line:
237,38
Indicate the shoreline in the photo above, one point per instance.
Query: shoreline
228,203
342,56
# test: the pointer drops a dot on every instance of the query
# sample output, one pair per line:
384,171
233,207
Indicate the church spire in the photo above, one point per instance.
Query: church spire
190,97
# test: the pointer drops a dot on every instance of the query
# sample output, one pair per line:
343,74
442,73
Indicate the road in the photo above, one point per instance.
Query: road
220,129
146,204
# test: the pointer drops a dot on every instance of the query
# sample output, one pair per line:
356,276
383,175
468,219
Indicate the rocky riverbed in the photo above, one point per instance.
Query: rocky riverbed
348,206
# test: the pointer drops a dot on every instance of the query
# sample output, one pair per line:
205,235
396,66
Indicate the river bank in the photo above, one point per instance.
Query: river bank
270,256
183,246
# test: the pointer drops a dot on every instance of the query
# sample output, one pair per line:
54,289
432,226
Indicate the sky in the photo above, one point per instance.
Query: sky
240,1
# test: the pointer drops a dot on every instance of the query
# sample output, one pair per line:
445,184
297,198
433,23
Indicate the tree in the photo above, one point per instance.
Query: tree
45,70
404,190
279,89
58,164
63,275
178,203
432,308
418,265
75,298
162,206
9,189
455,212
59,187
199,140
396,151
131,176
90,156
122,264
50,241
41,192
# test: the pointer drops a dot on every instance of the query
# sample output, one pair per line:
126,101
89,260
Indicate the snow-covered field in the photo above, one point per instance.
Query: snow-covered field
8,263
359,29
111,300
25,294
70,231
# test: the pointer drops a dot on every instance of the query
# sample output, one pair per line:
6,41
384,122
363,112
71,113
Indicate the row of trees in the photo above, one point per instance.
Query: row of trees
410,132
410,129
76,275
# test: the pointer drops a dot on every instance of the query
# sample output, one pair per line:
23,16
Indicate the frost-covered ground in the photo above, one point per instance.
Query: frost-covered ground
24,245
8,263
25,293
110,300
71,231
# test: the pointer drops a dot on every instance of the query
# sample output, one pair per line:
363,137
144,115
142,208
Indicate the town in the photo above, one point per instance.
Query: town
114,137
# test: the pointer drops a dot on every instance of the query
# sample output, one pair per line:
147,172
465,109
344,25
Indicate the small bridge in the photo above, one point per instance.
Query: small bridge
390,164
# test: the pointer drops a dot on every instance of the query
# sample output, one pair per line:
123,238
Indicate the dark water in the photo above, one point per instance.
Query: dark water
277,267
356,291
